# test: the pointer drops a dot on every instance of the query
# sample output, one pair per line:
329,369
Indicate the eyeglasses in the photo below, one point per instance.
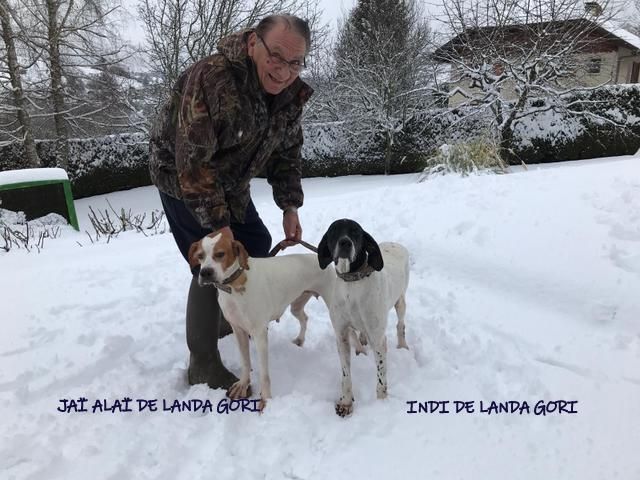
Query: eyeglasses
294,66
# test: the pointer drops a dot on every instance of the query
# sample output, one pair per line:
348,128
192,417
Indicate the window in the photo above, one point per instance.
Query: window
635,71
593,65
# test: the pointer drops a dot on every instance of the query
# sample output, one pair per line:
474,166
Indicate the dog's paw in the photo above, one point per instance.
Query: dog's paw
361,350
381,393
403,344
262,405
239,390
298,341
344,409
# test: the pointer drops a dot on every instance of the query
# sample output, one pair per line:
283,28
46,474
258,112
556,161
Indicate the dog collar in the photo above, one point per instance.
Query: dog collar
364,271
224,286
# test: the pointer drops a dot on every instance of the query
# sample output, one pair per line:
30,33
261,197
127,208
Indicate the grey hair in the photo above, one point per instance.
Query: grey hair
297,24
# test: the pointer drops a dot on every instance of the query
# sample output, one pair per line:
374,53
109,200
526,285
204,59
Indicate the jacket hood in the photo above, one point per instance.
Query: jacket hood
234,46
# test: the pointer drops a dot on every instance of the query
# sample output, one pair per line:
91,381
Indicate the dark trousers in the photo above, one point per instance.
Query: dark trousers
204,321
186,229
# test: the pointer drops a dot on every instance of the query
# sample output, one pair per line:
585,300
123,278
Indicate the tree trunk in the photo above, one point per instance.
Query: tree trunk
506,143
57,94
31,155
387,153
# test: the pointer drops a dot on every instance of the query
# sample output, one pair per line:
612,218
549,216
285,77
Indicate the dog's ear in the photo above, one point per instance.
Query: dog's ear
324,255
193,255
241,253
375,255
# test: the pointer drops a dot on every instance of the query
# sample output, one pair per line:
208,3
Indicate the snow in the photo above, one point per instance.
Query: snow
555,127
524,287
623,34
9,177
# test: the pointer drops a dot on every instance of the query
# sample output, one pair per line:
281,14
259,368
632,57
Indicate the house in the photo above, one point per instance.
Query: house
571,53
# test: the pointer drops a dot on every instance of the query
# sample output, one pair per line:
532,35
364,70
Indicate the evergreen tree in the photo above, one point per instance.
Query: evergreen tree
381,79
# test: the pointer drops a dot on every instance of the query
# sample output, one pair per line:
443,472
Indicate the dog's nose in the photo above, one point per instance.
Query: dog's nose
206,274
344,243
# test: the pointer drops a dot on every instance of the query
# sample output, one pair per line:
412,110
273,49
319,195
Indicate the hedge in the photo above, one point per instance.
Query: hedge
97,165
119,162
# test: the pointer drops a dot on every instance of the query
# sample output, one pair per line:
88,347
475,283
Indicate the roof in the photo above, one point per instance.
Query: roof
608,29
622,34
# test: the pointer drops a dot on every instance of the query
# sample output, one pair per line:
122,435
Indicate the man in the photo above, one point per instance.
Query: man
230,117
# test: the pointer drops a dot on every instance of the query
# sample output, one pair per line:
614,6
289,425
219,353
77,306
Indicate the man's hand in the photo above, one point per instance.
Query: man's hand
292,228
227,231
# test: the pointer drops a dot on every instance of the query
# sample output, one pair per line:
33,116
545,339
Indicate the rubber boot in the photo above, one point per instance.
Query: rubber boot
203,324
224,329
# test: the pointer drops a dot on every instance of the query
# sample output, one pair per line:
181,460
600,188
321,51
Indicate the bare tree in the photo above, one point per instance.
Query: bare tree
54,21
631,21
320,74
513,58
24,131
180,32
76,41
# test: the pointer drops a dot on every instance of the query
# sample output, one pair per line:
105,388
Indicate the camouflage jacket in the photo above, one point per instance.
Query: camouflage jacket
219,129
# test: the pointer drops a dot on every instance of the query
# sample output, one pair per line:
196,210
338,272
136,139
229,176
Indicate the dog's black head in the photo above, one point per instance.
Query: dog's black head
347,245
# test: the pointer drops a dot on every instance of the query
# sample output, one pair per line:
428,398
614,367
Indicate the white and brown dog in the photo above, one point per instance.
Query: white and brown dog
255,291
371,280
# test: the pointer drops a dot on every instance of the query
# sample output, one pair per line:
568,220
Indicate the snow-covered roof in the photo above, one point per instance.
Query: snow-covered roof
10,177
622,34
612,29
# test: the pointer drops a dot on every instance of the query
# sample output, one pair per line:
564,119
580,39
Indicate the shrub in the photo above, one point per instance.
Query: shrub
474,156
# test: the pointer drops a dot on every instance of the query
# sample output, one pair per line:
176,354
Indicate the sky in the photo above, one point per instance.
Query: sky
132,31
333,11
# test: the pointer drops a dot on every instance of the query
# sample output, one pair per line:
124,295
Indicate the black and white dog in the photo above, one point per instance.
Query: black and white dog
372,279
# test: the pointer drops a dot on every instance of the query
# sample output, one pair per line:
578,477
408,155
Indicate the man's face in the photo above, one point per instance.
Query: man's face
284,44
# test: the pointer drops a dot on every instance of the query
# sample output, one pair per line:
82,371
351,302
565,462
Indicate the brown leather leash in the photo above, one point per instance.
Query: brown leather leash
280,246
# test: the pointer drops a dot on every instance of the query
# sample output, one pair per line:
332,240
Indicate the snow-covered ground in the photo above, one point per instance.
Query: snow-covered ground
524,288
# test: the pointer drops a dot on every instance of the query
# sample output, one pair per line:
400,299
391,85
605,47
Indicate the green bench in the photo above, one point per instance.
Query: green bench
37,192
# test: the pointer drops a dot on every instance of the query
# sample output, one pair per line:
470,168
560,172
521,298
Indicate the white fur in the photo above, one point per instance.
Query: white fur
363,305
272,285
343,265
207,244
